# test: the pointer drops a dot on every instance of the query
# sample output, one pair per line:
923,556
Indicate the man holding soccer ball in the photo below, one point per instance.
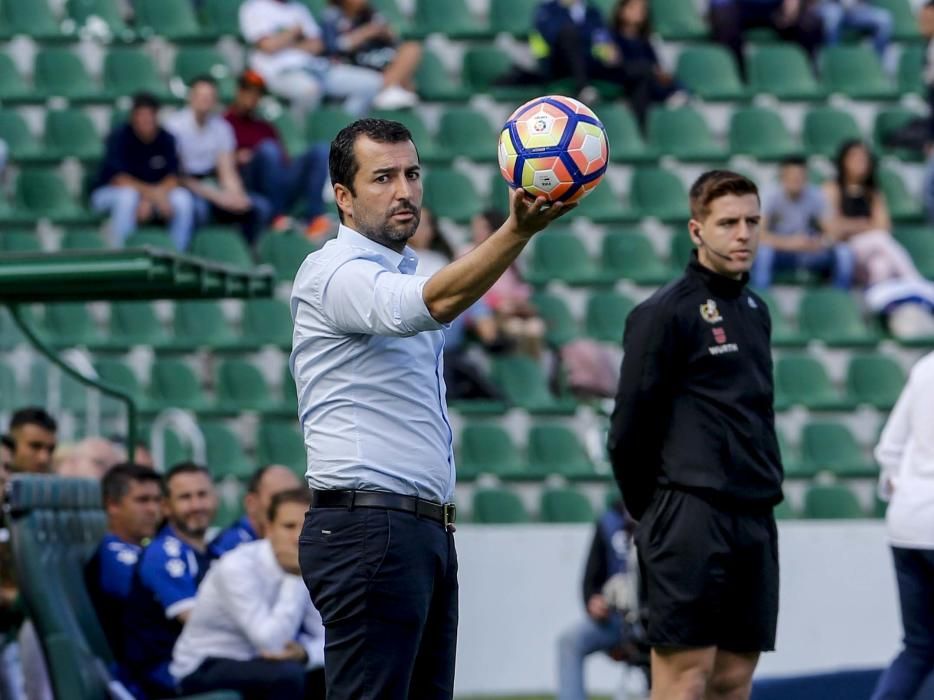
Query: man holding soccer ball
693,446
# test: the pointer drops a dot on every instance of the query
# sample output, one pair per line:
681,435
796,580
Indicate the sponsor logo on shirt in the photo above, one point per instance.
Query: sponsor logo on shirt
709,312
723,349
172,547
719,335
175,568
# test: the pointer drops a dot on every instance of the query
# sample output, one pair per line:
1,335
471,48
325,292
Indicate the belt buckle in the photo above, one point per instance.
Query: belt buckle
449,514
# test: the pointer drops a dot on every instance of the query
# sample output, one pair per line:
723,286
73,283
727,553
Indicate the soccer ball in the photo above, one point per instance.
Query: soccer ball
554,147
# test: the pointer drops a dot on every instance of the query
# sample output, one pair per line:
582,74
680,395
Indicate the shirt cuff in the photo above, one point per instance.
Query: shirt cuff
413,309
176,609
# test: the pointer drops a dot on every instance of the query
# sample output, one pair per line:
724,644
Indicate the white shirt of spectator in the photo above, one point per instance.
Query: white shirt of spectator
262,18
199,147
906,453
247,605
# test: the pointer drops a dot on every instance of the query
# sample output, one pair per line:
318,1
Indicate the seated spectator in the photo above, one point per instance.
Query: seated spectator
791,238
166,579
356,33
838,15
32,436
289,52
608,598
206,148
253,628
139,178
926,26
793,20
132,498
90,459
266,168
264,484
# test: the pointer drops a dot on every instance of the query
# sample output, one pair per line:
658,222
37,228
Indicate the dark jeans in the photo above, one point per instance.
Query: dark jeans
283,181
385,583
914,570
257,679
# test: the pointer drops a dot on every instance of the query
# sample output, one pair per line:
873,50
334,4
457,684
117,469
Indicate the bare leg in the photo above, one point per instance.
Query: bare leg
732,676
401,70
682,674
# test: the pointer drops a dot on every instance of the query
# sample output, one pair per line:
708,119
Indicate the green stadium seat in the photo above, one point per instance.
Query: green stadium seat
324,123
13,87
119,375
784,511
831,315
483,65
565,506
919,242
70,324
710,72
606,316
60,73
201,324
658,193
222,244
524,384
555,449
784,333
911,70
222,17
681,132
108,11
435,84
173,19
285,252
795,468
451,18
903,207
825,130
622,131
290,133
194,61
677,20
512,16
230,493
493,506
855,71
225,454
267,322
32,18
135,323
876,380
603,205
10,334
73,396
629,255
281,442
83,239
783,70
760,132
9,390
905,27
682,248
831,502
20,242
152,236
802,380
41,193
889,120
393,14
289,394
428,149
560,326
130,70
486,448
450,194
241,387
561,256
70,133
173,384
24,146
828,446
467,133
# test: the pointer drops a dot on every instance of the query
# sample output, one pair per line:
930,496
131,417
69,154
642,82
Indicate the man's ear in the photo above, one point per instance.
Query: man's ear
344,199
694,228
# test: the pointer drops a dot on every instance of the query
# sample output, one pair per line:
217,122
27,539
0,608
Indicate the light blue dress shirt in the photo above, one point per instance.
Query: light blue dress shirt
367,363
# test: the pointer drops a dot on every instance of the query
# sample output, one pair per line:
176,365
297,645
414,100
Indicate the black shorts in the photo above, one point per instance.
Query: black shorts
711,575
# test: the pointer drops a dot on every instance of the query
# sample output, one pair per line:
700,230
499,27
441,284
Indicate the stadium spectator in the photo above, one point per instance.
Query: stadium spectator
138,180
166,580
132,498
793,20
608,597
264,484
289,52
356,33
926,27
11,615
206,148
253,628
90,459
838,15
265,166
32,435
791,238
906,455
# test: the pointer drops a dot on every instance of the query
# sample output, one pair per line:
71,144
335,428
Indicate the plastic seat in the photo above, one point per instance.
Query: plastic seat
281,442
831,502
428,149
682,133
13,88
524,384
225,454
288,392
659,193
173,19
60,73
555,449
223,245
855,71
41,193
784,333
606,316
831,315
20,242
486,448
450,194
128,71
285,252
902,206
135,323
561,256
677,20
194,61
831,446
498,507
919,242
451,18
512,16
24,146
118,374
467,133
710,72
876,380
624,135
84,13
565,506
826,128
435,84
629,255
222,17
70,133
241,387
173,384
911,70
795,467
483,65
905,25
783,70
560,326
70,325
267,322
604,205
802,380
290,133
83,239
760,132
32,18
324,123
785,511
9,391
71,394
889,120
201,324
150,236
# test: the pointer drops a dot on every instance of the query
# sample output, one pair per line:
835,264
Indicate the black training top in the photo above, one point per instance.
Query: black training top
694,405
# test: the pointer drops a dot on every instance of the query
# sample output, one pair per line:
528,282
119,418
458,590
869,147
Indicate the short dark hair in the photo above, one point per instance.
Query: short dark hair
302,496
342,161
256,478
794,162
203,78
33,415
715,184
116,482
182,468
145,100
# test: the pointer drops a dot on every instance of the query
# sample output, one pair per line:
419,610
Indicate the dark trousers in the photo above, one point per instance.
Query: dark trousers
914,571
257,679
385,583
284,181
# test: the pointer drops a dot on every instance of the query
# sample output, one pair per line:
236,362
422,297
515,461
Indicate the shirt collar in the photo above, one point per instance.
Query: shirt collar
719,284
405,262
245,524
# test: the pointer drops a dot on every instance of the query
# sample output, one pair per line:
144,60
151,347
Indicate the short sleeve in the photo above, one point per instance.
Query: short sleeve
255,24
169,577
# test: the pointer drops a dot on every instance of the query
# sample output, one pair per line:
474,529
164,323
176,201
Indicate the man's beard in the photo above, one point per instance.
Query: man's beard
387,232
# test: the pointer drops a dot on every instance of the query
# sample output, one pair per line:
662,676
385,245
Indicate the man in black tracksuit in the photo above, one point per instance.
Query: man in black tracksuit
693,446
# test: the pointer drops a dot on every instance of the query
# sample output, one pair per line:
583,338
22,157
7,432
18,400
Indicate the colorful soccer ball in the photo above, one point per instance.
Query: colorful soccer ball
554,147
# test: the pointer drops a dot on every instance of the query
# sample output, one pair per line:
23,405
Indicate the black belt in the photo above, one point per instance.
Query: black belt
445,513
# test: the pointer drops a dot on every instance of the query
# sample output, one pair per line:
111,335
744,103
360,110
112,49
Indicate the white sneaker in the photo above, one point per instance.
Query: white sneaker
394,97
